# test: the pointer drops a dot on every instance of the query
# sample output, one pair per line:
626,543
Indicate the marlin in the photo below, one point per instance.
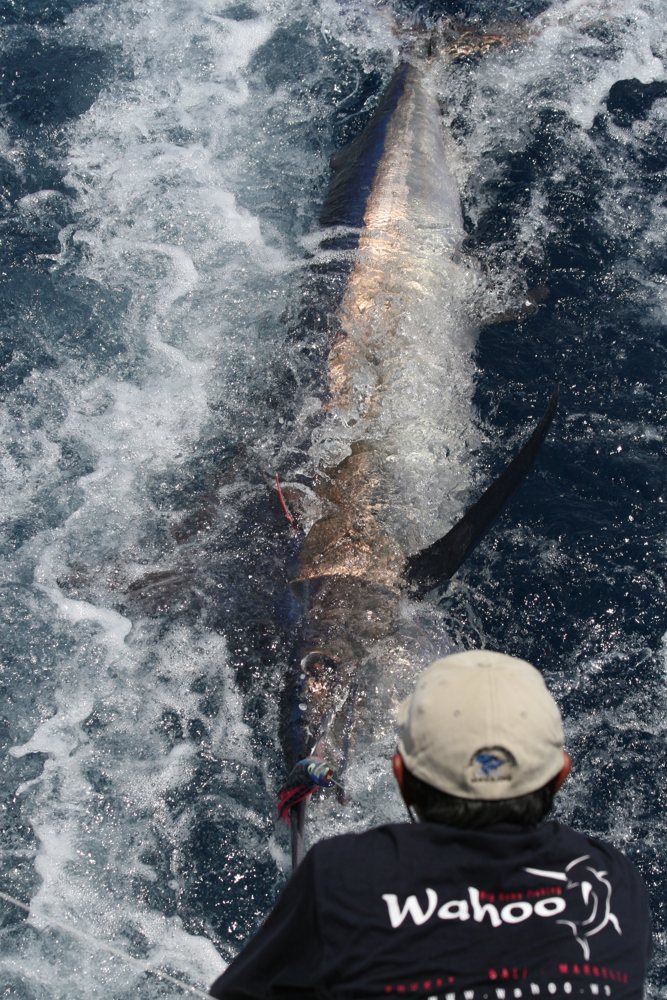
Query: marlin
394,199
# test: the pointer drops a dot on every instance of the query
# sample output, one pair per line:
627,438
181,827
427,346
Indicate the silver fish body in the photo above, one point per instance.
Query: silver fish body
406,262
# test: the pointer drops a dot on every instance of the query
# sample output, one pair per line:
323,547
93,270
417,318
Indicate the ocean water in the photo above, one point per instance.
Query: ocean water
162,166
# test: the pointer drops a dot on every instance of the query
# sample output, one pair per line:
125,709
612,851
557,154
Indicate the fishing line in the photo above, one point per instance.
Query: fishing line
40,923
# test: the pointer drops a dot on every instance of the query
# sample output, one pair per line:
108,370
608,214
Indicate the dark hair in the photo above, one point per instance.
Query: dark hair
434,806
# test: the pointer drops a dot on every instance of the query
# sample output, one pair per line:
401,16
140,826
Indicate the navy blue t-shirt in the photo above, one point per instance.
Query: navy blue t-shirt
504,913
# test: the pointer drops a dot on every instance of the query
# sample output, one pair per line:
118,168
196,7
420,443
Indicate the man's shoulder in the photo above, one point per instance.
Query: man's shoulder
371,843
582,838
343,843
594,848
390,844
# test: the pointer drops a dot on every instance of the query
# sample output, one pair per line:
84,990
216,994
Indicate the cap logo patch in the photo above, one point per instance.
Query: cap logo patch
492,764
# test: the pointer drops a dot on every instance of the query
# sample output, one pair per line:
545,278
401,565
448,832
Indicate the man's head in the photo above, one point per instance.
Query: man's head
480,728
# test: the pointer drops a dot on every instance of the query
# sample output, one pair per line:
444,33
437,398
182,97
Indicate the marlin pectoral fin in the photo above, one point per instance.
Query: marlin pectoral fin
440,561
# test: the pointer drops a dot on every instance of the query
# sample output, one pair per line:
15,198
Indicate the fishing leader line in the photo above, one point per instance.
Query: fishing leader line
41,923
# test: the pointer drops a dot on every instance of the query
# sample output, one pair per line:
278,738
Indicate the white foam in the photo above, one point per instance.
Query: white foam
643,66
88,860
114,626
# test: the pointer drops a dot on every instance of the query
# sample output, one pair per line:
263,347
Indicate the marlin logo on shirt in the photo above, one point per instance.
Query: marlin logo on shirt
594,890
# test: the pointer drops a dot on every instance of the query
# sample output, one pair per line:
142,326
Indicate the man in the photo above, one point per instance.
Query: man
480,900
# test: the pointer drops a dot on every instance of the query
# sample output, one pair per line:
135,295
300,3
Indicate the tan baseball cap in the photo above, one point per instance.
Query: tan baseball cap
481,725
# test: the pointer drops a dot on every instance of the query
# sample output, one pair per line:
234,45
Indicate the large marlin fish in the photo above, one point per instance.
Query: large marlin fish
394,192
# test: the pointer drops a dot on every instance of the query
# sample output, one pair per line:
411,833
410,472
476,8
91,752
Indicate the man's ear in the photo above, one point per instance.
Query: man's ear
564,771
398,767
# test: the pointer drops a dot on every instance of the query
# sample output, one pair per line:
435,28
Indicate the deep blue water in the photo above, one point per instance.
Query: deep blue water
162,170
